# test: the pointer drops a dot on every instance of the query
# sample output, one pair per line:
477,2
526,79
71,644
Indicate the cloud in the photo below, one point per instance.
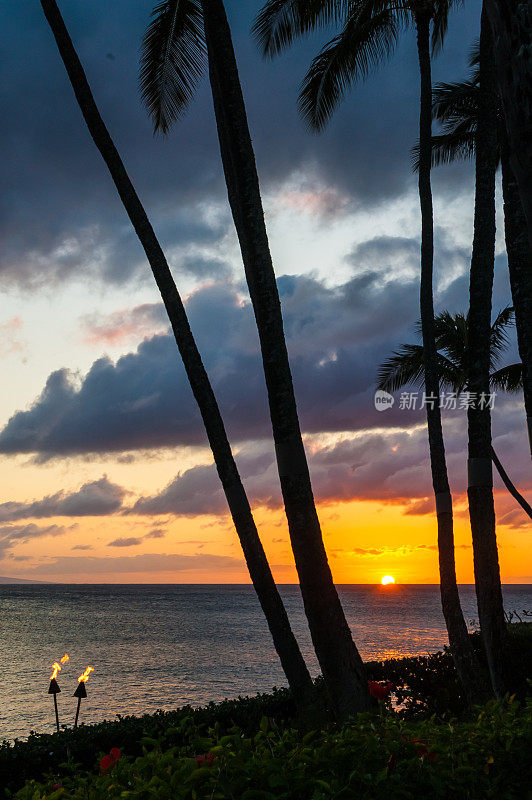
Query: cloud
126,542
156,533
10,535
96,498
30,531
174,563
198,490
56,225
9,341
336,341
125,325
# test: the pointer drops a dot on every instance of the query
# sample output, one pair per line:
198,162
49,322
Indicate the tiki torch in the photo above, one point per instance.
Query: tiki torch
81,691
54,686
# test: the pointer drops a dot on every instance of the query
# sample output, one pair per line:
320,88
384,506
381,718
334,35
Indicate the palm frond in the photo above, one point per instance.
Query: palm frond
508,379
404,366
280,22
366,39
474,54
499,341
440,20
448,147
173,59
453,102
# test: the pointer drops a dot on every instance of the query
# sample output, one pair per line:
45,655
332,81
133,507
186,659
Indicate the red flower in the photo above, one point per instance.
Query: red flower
106,763
206,760
422,749
115,753
379,690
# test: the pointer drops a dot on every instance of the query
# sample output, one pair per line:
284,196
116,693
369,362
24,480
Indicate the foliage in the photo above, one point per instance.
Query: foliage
371,757
425,687
405,365
42,753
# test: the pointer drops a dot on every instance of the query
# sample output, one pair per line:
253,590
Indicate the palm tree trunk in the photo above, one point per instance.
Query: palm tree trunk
520,268
460,644
339,659
511,25
509,485
259,569
480,482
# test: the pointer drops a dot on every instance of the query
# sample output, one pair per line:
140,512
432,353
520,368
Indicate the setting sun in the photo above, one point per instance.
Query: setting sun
387,579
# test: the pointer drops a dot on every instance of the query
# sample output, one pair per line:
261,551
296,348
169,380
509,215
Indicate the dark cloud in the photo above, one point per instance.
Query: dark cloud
11,535
96,498
390,467
337,337
24,533
126,542
156,533
198,491
56,224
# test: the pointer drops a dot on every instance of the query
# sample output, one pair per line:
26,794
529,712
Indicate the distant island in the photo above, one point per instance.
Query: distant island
18,580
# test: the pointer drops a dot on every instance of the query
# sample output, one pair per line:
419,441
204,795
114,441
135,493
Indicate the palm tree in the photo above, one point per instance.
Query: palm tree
455,106
511,24
259,569
182,36
406,366
369,31
480,481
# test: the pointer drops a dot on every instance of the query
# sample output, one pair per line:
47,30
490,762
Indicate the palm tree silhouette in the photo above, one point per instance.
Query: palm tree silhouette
511,23
182,38
456,107
405,366
479,462
369,30
284,640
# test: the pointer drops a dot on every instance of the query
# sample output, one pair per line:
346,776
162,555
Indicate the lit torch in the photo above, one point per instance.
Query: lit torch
54,686
81,691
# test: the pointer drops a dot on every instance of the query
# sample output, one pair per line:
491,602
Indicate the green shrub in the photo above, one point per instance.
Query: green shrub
375,756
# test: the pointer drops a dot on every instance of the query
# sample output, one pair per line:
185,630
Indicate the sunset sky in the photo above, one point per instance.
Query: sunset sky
105,474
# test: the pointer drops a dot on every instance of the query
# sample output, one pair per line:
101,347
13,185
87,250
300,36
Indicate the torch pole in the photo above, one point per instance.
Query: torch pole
80,693
77,713
56,713
54,689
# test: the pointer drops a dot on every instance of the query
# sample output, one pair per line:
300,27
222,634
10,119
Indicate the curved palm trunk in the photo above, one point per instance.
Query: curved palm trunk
511,25
520,268
259,569
480,484
509,485
339,659
462,651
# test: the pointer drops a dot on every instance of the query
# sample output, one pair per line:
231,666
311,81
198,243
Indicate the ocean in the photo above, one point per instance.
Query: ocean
163,646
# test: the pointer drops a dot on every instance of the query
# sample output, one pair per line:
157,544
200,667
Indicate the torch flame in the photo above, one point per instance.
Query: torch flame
65,659
85,676
56,669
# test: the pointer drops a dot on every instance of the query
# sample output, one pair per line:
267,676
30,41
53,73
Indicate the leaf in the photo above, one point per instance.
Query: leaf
173,58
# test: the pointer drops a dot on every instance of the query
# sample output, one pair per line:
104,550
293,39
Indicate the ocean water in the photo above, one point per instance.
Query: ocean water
165,646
